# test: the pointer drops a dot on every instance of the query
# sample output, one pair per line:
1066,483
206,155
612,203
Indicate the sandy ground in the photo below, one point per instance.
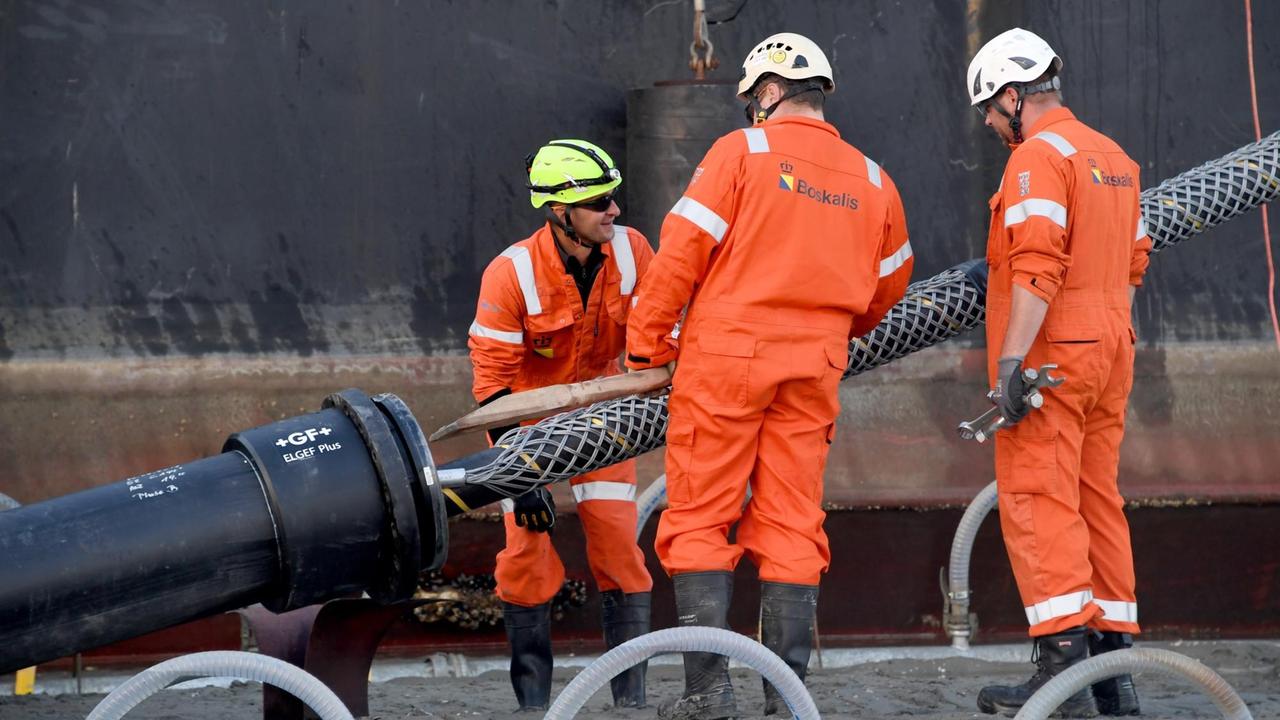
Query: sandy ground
942,687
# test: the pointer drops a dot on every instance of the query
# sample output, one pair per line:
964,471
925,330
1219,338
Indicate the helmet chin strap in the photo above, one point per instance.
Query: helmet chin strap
1015,120
757,113
565,225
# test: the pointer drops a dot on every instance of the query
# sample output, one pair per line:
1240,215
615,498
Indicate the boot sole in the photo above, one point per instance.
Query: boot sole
1012,710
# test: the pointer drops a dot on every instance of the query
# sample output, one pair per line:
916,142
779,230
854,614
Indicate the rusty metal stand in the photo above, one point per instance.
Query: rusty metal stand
335,642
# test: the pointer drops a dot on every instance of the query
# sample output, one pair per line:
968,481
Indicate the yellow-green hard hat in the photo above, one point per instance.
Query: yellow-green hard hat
570,171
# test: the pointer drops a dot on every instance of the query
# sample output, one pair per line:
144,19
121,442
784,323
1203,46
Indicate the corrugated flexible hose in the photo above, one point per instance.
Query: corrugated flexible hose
958,593
685,639
1121,662
653,497
222,663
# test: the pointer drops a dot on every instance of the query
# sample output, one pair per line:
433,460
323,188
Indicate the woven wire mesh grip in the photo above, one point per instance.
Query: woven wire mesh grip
933,310
1213,193
572,443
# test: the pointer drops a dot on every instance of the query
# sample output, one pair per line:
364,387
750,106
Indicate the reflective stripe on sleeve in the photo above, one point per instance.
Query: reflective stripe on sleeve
1036,207
603,490
873,172
1119,610
478,330
507,505
702,216
625,260
1059,606
524,273
757,141
1058,142
1142,229
890,265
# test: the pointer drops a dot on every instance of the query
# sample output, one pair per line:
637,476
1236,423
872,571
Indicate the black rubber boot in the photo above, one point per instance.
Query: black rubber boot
1115,696
1052,655
625,616
529,631
786,627
703,599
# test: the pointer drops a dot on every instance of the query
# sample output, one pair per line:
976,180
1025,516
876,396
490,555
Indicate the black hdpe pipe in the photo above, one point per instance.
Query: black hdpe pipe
330,504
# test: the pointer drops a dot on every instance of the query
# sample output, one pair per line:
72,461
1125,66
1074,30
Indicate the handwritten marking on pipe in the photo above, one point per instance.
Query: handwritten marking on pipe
156,483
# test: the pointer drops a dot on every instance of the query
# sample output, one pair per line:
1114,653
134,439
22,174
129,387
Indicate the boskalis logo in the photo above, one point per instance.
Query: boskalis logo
788,181
1101,178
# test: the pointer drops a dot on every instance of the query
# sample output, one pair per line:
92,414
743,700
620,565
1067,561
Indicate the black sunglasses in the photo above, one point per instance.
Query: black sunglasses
600,204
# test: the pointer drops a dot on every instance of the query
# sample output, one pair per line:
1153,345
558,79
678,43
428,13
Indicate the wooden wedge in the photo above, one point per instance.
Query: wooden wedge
554,399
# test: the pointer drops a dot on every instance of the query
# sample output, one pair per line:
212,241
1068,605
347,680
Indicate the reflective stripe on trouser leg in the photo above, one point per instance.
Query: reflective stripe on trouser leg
1058,606
529,571
607,509
1116,612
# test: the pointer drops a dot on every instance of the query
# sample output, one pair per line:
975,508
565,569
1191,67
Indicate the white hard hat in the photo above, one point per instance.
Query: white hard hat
787,55
1013,56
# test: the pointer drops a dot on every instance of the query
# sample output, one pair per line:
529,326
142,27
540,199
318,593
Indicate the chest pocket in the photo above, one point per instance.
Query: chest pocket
617,304
550,334
997,238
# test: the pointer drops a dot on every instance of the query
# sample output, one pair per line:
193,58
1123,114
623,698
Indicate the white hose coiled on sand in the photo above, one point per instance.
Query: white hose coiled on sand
1119,662
685,639
222,663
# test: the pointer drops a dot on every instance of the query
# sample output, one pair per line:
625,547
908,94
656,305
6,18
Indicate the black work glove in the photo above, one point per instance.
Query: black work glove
535,510
1010,390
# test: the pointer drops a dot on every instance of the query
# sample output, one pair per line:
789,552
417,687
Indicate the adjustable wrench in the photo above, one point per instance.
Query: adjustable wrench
986,424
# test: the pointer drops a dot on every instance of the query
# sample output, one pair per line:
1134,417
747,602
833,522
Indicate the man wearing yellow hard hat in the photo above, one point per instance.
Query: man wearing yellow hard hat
553,309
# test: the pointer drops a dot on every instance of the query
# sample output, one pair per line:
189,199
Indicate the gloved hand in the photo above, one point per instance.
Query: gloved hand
535,510
1010,389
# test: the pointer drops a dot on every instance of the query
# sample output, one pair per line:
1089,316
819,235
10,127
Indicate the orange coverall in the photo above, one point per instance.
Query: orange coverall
531,330
1065,225
787,243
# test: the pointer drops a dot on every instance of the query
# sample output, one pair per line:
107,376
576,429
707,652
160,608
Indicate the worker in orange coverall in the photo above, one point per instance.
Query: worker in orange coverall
787,243
553,309
1066,250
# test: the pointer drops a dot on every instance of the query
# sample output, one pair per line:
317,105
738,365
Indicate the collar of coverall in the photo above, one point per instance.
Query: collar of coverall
550,251
801,120
595,257
1050,117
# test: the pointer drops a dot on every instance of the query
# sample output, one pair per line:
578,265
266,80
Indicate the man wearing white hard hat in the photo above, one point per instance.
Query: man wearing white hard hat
1066,250
787,243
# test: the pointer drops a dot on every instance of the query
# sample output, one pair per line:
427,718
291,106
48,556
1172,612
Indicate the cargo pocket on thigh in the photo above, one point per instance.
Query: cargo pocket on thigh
722,382
679,460
1027,464
837,361
1078,352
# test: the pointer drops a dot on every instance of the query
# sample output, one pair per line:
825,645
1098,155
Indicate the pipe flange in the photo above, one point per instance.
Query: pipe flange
399,578
432,514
